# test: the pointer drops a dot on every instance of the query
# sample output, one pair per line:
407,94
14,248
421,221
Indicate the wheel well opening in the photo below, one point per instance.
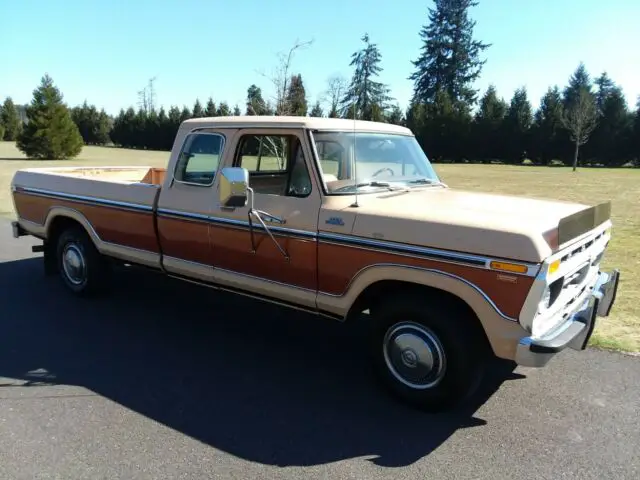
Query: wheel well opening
384,289
59,225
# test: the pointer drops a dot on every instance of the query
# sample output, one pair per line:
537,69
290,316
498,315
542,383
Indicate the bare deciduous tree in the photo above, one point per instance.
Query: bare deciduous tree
580,119
336,88
281,77
147,97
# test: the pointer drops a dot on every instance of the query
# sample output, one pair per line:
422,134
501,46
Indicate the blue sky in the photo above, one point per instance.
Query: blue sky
105,51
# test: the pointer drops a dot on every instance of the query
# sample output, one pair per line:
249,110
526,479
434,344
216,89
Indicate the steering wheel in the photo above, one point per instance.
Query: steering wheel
378,172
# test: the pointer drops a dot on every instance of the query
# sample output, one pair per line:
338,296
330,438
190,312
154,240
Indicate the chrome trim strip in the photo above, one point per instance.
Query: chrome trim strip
395,265
240,274
392,247
188,262
178,215
385,245
232,222
332,238
432,253
85,199
428,270
317,292
115,250
262,279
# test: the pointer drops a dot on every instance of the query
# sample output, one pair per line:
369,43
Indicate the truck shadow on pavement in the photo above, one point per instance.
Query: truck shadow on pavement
260,382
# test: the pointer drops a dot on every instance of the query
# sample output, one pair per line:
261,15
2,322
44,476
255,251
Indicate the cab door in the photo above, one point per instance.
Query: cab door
287,194
185,204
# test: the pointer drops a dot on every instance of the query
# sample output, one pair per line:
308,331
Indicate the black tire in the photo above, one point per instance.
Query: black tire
83,270
408,328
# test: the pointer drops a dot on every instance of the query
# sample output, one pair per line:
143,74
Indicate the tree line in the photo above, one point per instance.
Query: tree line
588,120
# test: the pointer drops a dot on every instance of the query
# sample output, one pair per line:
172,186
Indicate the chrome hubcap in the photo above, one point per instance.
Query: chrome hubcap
73,264
414,355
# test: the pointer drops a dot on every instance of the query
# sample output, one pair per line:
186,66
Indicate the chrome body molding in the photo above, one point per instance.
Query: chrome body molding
426,270
121,252
208,273
404,249
232,222
85,199
466,259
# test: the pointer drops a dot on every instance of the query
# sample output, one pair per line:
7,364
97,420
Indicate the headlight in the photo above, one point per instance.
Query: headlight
545,302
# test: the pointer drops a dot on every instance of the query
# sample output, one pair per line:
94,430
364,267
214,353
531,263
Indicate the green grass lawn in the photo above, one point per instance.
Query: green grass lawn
591,186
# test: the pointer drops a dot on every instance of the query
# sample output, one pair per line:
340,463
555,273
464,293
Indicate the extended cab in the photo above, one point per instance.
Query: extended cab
338,217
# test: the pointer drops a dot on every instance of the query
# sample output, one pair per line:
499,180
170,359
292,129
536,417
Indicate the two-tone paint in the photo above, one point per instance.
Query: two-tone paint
148,217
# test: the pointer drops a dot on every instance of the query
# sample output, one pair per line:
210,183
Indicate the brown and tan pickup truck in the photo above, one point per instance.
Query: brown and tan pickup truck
338,218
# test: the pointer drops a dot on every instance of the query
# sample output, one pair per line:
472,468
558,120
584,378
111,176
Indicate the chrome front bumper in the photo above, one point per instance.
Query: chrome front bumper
577,330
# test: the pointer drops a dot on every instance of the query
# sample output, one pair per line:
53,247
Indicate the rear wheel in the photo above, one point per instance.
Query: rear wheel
82,268
429,354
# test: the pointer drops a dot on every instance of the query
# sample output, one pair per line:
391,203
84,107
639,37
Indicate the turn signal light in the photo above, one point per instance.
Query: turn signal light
509,267
554,266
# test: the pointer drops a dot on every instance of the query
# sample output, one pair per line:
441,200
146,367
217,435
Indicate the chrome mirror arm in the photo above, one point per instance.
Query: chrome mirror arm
253,212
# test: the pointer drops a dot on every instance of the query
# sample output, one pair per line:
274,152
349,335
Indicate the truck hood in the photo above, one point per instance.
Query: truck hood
494,225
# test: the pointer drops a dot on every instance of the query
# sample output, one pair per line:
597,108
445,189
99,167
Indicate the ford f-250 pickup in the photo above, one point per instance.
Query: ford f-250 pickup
339,217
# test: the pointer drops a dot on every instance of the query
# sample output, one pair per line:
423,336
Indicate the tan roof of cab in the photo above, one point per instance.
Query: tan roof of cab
314,123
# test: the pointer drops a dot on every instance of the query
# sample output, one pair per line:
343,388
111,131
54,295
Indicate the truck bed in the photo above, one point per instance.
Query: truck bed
116,204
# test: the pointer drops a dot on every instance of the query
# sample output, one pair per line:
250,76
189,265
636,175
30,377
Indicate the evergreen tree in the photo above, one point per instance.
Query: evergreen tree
610,138
236,111
444,128
579,81
488,123
10,119
175,119
517,124
94,126
198,111
164,138
416,121
365,97
210,110
395,116
605,87
122,132
450,58
316,111
224,110
255,102
50,132
547,131
185,114
296,98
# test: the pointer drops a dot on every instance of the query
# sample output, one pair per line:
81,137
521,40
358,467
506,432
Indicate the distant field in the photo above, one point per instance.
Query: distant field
590,186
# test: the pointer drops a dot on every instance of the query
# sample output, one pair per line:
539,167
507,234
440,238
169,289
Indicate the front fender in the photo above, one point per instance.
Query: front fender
502,331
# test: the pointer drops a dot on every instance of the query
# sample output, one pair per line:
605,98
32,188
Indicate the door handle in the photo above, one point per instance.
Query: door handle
268,218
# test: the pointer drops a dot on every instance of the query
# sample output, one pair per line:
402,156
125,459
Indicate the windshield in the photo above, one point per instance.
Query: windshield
382,161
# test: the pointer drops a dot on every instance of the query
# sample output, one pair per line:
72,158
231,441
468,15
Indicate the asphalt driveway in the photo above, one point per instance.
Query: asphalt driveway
164,379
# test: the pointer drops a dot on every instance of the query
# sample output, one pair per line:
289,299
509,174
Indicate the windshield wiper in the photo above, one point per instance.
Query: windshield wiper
427,181
373,183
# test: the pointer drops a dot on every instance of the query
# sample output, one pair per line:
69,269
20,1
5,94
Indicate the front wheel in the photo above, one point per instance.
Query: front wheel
430,355
82,268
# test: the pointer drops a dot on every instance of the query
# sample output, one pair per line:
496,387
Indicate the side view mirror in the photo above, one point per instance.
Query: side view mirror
234,187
